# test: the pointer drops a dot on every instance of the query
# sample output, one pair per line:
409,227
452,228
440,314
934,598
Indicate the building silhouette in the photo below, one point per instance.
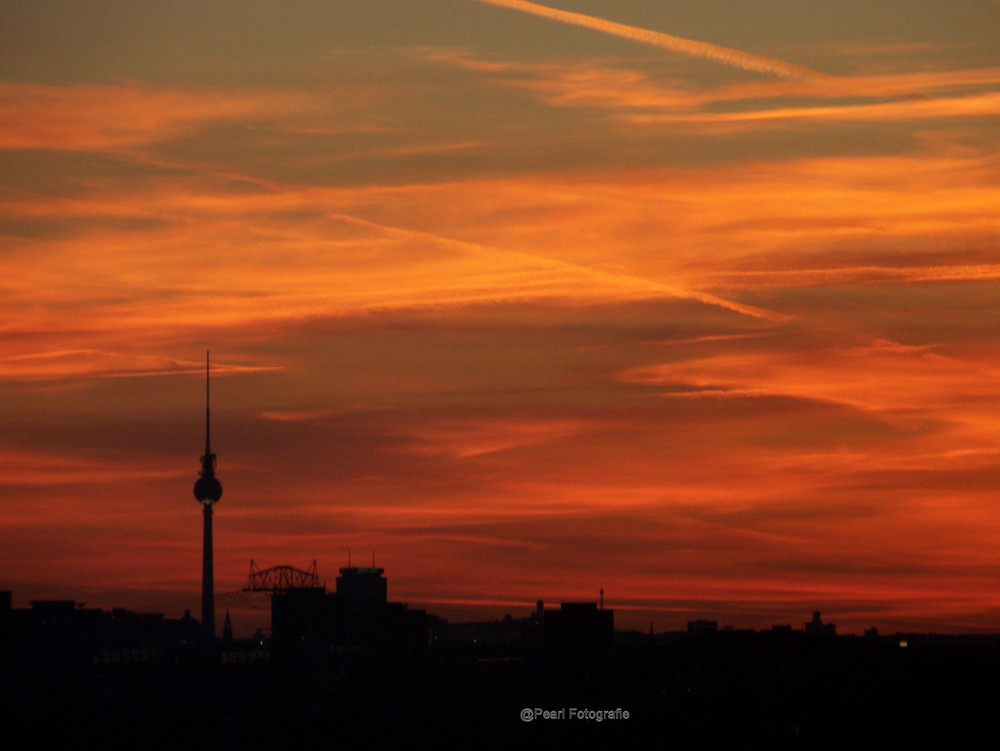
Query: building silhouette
65,631
579,633
816,627
362,588
702,626
310,623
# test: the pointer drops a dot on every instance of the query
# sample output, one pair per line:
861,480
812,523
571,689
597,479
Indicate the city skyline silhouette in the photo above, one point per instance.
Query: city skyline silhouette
350,665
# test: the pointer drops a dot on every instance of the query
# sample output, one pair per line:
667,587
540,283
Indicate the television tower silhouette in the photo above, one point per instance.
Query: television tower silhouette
207,491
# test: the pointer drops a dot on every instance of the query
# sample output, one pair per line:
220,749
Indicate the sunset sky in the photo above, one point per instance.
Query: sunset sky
698,301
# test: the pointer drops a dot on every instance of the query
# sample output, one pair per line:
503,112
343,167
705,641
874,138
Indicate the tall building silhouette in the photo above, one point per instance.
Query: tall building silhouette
362,587
207,491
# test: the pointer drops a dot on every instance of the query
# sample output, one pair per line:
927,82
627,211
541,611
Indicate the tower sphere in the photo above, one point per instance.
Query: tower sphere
207,489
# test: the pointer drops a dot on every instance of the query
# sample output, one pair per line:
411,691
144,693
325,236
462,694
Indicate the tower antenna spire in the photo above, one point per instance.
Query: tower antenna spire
208,401
208,463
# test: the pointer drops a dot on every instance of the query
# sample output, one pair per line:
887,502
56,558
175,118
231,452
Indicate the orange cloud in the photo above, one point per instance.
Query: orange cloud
20,467
881,377
294,252
49,364
977,105
102,117
638,98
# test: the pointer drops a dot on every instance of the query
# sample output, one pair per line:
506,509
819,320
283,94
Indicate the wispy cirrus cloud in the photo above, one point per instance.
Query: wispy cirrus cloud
49,364
883,377
636,97
331,251
79,118
977,105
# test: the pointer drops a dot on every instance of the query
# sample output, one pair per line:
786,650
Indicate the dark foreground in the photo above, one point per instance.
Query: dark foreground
723,690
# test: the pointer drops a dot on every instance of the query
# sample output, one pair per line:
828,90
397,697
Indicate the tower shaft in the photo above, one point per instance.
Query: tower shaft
207,578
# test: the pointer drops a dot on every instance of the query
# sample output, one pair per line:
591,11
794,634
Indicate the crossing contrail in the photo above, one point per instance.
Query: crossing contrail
727,55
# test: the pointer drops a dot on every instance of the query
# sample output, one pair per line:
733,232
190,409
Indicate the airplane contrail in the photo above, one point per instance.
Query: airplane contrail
727,55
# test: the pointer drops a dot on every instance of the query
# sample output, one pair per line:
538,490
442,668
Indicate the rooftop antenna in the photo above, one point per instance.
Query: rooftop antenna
602,597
